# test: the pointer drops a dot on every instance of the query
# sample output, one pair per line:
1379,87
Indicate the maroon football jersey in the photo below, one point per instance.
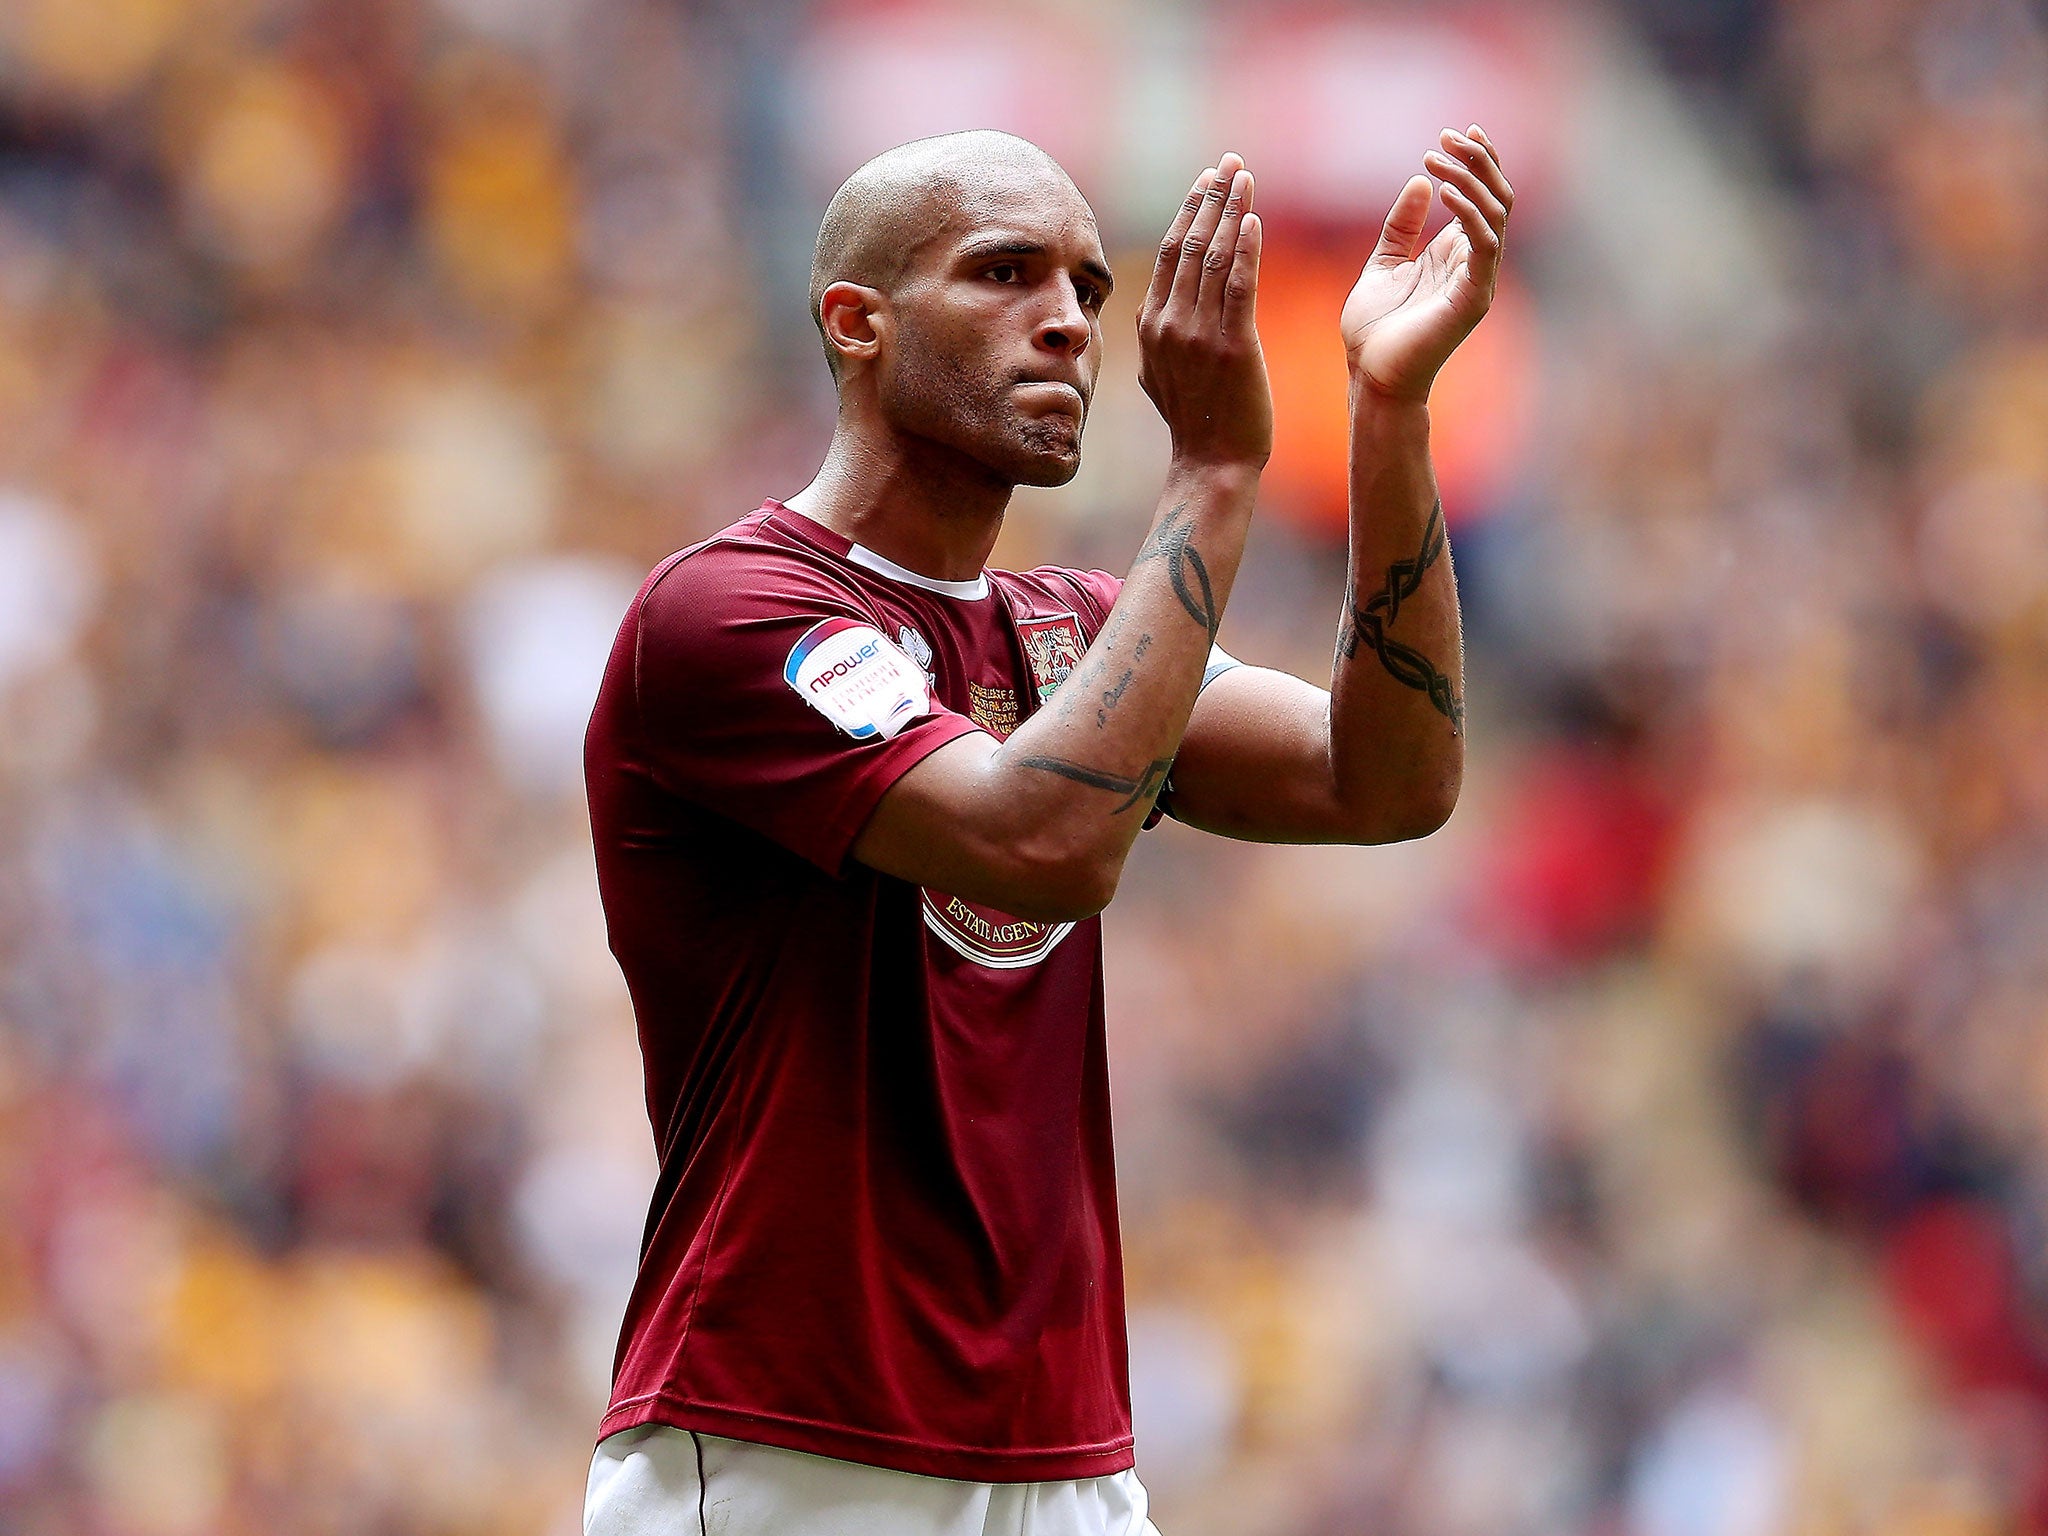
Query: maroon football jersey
885,1224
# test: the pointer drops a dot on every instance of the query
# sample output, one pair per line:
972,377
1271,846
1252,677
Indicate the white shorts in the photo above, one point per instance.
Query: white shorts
645,1482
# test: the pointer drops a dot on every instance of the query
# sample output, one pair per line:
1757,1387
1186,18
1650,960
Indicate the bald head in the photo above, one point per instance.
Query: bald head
958,285
899,202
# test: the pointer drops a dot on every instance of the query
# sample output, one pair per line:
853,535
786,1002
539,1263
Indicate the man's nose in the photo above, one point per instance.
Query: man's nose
1065,327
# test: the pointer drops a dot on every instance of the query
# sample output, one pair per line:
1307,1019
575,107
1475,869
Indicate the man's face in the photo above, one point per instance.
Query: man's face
996,338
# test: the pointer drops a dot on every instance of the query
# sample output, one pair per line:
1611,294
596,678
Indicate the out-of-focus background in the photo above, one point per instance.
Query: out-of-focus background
1656,1151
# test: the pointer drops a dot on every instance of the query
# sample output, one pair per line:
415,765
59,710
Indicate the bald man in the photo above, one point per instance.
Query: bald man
857,800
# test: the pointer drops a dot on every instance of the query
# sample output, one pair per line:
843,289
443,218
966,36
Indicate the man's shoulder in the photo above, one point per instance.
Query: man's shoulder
745,563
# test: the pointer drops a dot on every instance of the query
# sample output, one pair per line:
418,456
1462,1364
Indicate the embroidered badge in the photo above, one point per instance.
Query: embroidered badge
993,709
920,649
1054,646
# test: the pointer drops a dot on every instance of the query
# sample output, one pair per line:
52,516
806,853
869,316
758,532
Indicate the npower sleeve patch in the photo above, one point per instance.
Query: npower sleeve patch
858,678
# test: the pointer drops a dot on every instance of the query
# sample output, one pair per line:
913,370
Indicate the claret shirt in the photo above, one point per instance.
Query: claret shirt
885,1223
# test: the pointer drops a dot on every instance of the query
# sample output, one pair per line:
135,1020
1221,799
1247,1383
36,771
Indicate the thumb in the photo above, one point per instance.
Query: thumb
1402,232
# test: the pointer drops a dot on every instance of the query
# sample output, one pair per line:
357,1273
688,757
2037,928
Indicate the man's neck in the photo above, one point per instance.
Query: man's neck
929,509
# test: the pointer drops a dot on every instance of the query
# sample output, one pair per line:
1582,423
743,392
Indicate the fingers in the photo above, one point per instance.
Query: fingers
1169,248
1478,135
1456,174
1476,150
1241,289
1194,245
1480,230
1477,193
1402,232
1469,164
1220,259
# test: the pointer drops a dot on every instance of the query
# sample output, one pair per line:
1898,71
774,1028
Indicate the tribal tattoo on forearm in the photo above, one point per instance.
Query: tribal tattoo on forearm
1139,790
1184,564
1368,623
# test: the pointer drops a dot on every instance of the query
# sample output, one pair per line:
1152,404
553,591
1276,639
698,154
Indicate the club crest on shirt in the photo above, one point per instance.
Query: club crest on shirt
988,937
1054,645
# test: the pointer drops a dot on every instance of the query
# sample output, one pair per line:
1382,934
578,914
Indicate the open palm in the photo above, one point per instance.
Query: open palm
1413,303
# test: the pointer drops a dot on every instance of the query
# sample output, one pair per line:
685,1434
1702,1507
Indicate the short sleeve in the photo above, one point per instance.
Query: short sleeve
767,693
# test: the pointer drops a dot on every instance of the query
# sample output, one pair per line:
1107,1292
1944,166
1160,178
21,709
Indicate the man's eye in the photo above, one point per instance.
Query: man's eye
1089,294
1008,272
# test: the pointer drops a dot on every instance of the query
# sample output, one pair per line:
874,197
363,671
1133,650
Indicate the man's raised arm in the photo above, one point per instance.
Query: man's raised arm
1380,755
1039,825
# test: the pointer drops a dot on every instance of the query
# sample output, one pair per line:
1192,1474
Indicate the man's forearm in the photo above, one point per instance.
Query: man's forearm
1380,757
1039,825
1086,769
1397,706
1095,757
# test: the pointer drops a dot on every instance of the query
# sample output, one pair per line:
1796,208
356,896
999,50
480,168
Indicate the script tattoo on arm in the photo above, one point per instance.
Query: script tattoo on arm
1111,697
1367,623
1138,790
1184,564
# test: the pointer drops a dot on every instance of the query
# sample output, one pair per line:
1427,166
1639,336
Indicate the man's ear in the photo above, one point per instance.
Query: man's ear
854,318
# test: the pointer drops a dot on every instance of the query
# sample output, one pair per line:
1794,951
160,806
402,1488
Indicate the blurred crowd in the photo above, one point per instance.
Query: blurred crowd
1653,1152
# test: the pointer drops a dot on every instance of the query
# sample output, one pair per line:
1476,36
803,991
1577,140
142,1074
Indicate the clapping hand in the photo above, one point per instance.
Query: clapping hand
1198,338
1413,303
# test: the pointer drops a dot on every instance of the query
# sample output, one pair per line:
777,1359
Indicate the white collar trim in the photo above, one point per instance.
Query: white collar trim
881,565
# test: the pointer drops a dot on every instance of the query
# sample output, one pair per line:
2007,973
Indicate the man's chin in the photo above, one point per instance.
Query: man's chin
1047,470
1050,453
